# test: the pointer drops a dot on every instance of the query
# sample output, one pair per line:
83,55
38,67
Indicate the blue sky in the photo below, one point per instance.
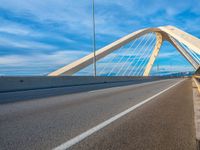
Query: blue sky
39,36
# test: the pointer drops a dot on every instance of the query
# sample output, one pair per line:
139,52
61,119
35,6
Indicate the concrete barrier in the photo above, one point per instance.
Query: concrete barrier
10,84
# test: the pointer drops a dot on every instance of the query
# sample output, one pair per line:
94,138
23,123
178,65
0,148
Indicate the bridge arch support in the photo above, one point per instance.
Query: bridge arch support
169,33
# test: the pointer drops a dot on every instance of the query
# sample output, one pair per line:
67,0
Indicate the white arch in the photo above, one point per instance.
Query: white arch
169,33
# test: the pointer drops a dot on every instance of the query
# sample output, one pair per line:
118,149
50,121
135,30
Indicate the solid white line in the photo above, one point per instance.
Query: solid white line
131,86
87,133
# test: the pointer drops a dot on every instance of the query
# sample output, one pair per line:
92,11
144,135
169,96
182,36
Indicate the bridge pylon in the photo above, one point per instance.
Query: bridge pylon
178,38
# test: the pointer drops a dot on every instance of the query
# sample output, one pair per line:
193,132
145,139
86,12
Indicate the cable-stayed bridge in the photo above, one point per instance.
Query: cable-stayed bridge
123,107
138,52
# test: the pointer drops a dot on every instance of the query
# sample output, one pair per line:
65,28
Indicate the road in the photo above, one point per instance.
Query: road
161,117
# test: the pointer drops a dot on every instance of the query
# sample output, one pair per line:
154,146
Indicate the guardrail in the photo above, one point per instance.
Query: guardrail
12,84
196,79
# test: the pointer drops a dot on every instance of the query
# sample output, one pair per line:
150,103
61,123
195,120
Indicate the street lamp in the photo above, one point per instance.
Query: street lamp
94,38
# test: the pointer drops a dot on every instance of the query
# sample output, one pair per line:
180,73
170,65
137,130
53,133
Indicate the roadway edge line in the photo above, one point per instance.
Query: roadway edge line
133,85
89,132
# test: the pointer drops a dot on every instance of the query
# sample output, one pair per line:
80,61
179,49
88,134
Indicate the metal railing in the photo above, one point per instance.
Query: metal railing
196,79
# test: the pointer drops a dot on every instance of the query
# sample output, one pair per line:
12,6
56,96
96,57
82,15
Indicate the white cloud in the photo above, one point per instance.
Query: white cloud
66,10
168,54
65,14
11,60
56,58
18,43
38,63
109,22
14,28
75,17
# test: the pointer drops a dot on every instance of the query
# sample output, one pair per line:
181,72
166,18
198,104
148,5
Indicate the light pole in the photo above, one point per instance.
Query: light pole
94,38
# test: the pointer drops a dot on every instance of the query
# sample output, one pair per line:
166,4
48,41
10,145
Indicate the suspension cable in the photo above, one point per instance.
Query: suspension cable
119,61
147,58
191,52
141,41
126,59
105,66
138,62
141,53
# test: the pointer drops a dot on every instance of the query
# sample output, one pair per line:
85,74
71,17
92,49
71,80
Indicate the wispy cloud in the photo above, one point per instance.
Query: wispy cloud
13,30
39,63
57,58
24,44
46,26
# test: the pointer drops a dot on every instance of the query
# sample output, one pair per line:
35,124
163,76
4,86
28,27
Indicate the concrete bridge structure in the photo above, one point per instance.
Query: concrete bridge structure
126,111
178,38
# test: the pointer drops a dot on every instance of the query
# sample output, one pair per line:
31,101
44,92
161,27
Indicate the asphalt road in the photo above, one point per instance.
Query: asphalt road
165,122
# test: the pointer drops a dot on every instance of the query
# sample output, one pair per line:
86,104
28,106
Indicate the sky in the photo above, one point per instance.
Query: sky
39,36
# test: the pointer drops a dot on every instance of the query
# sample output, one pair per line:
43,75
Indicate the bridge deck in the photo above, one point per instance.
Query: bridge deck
165,122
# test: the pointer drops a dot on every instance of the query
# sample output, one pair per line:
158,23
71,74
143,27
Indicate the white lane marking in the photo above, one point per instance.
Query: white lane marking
131,86
89,132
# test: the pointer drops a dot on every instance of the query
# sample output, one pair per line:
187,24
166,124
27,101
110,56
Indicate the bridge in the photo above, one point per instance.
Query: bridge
149,41
122,107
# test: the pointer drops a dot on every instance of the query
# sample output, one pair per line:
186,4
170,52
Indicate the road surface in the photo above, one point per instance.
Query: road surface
161,117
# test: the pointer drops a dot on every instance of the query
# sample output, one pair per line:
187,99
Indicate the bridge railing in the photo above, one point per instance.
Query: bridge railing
196,79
